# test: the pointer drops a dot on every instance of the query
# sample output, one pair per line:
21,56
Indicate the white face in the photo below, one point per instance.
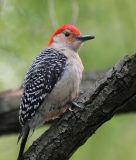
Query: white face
67,39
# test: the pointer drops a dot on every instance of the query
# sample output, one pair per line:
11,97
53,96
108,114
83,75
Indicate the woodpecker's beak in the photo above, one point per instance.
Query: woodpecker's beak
84,38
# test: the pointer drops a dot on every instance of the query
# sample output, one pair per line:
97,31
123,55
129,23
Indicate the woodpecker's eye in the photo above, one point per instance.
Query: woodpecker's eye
67,34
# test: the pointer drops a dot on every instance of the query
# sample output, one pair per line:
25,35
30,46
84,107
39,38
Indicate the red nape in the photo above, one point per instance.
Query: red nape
70,27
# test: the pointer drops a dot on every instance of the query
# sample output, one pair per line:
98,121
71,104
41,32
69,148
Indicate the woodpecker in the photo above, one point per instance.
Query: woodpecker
52,81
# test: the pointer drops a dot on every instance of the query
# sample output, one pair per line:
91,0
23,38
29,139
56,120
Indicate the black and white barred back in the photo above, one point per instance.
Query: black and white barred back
44,73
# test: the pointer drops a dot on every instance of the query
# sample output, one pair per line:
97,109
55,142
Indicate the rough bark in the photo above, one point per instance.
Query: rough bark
63,138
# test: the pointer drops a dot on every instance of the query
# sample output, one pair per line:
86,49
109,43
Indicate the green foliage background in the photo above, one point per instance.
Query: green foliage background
25,28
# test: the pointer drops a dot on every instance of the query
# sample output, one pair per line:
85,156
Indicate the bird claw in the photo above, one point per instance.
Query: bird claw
70,109
77,105
74,104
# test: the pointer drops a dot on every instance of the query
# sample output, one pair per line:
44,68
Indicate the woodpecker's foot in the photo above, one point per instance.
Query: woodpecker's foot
70,109
76,105
73,105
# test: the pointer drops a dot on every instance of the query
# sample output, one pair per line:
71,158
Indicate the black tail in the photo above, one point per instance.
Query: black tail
24,136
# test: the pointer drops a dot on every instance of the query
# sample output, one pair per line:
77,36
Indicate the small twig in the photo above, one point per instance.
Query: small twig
75,11
52,14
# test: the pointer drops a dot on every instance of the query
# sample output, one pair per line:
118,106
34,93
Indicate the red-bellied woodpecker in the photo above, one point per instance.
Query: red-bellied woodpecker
52,81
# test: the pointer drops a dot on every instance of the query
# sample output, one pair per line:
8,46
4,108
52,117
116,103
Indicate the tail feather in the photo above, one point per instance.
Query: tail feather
23,136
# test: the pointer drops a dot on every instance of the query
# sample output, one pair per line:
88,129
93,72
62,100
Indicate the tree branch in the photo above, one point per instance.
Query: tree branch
9,109
9,102
74,128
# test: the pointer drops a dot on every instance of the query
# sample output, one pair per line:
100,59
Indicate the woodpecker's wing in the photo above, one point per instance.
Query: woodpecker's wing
44,73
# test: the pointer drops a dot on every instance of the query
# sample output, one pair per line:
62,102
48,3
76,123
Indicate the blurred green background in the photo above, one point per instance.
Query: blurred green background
25,28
